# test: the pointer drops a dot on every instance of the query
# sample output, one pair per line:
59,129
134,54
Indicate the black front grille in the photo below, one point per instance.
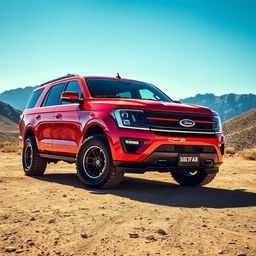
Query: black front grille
171,121
185,149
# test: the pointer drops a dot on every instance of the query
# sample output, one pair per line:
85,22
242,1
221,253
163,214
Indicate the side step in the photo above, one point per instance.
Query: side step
69,159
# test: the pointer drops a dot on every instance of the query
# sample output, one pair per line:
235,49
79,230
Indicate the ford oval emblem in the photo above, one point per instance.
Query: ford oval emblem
187,123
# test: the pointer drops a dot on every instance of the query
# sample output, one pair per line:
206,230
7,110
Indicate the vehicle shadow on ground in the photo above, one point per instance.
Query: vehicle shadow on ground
164,193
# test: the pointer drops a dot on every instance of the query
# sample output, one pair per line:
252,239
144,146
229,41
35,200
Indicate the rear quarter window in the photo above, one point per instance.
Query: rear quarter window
34,98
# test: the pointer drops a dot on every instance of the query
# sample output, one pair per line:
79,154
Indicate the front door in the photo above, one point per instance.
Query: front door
67,129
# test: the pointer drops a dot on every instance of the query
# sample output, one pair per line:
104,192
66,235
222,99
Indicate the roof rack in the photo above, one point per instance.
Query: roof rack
59,78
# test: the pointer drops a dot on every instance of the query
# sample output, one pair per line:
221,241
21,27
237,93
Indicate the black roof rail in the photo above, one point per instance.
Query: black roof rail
59,78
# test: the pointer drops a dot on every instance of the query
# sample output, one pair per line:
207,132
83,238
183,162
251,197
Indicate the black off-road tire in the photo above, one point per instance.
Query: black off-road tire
200,178
108,176
33,165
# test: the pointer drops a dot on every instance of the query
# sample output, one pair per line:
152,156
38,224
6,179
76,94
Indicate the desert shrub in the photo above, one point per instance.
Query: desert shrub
4,143
230,150
8,147
249,154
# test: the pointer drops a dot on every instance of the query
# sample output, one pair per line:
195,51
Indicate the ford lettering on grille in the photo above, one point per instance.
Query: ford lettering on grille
187,123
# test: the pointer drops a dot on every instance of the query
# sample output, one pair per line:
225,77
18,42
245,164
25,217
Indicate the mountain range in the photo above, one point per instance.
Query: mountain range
227,105
17,98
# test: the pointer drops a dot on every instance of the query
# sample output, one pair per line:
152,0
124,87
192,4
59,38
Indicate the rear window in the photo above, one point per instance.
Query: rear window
34,98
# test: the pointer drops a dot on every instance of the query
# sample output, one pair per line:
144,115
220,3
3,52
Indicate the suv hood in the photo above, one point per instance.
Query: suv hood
103,103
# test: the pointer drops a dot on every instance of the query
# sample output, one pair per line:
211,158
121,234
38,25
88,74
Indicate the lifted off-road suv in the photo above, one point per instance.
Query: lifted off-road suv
110,126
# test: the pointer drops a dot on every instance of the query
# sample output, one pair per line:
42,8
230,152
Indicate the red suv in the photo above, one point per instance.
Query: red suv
109,126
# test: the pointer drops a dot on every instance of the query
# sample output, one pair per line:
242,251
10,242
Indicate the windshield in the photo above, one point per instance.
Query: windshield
114,88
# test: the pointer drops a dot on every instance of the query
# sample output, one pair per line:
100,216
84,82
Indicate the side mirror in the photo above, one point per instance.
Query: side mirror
71,97
176,101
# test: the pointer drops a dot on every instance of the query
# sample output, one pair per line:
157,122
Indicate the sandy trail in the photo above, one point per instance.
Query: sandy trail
56,215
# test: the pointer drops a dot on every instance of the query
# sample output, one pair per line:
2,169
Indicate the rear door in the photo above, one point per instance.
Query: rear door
39,120
66,132
45,118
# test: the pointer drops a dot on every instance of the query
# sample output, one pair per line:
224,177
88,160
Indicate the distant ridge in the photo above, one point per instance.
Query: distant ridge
9,112
240,132
227,105
17,98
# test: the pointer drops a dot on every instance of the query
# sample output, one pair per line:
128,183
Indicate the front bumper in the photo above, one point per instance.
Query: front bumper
149,158
152,141
166,162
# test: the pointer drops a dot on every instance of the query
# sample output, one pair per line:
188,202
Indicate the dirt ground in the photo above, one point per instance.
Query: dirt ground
147,214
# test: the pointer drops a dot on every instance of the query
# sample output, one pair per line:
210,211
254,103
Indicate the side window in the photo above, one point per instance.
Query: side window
34,98
73,86
53,96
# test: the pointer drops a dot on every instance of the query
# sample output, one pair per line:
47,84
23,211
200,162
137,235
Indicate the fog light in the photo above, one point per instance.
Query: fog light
132,142
131,145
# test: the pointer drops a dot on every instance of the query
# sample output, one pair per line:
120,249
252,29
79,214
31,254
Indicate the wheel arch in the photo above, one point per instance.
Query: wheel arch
92,130
29,132
97,128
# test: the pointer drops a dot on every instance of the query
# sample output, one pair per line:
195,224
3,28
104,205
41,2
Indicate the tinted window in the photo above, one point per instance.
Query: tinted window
53,96
124,94
34,98
73,86
114,88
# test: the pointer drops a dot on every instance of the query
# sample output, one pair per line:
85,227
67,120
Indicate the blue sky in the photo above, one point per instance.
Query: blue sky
185,47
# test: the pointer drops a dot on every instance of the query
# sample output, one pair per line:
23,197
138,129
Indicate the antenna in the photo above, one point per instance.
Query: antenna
118,76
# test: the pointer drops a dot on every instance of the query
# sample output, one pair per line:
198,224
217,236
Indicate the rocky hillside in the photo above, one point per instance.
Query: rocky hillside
9,112
240,132
9,118
227,105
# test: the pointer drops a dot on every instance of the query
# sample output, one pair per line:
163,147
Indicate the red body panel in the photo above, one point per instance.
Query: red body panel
61,129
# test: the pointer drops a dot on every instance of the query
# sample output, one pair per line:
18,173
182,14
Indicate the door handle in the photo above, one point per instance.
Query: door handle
58,115
38,116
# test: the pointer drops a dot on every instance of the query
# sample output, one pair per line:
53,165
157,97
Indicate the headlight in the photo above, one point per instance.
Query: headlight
128,118
217,126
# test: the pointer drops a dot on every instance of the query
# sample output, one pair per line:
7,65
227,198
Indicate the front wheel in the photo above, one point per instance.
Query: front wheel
193,177
94,164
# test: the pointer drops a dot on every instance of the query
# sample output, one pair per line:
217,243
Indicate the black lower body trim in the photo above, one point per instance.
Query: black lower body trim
135,167
69,159
166,162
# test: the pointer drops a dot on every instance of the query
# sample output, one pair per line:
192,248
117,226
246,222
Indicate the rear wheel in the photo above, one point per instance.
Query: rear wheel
33,164
94,164
193,177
